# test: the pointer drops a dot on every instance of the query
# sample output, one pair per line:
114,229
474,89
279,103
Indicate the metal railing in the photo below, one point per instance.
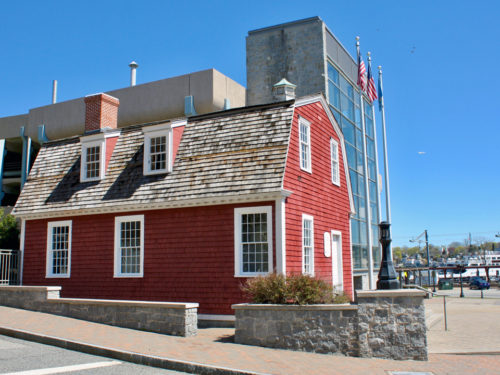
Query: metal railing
9,267
417,276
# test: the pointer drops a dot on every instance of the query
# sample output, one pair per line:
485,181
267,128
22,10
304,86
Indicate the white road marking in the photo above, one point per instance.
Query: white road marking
58,370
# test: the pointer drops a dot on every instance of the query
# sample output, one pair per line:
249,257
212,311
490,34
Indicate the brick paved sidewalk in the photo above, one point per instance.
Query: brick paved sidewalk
214,349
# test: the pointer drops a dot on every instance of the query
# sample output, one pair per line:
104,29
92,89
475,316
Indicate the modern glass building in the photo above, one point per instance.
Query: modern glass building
306,53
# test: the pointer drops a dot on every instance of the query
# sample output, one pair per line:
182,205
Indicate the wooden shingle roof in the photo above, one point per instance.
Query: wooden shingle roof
232,153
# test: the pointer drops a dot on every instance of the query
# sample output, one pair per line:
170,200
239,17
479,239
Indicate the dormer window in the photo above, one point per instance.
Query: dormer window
157,149
93,158
92,161
92,166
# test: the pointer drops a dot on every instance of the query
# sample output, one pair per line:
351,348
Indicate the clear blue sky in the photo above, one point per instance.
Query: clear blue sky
440,61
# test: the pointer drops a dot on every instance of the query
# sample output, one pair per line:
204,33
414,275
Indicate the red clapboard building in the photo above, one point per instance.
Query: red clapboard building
186,210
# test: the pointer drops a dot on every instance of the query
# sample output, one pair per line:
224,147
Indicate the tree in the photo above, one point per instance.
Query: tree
9,234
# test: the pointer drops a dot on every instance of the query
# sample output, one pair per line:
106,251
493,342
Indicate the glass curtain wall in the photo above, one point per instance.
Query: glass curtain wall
345,103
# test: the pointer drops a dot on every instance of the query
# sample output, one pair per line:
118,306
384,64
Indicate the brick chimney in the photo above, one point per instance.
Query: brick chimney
101,112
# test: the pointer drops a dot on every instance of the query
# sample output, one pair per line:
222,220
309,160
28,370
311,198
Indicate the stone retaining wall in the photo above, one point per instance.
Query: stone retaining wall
383,324
178,319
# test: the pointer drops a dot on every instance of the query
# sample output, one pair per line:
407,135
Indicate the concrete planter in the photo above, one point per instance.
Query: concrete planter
383,324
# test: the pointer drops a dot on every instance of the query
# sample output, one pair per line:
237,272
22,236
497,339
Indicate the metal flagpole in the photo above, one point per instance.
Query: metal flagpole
377,176
371,279
384,139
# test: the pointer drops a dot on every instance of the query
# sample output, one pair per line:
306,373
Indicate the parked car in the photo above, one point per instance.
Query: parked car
479,283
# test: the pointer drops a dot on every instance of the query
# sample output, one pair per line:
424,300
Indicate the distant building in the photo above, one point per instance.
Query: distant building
308,55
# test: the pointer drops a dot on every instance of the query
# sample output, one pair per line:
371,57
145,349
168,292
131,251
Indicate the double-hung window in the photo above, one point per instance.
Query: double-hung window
58,249
305,144
129,246
157,149
334,153
92,162
307,245
253,241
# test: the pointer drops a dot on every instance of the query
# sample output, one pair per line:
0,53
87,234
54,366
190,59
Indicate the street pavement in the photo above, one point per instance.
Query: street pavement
473,330
21,357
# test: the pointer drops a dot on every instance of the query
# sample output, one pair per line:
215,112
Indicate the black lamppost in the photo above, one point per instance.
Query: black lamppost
387,278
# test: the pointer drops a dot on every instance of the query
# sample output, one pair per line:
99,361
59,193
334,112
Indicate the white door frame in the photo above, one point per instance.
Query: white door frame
337,266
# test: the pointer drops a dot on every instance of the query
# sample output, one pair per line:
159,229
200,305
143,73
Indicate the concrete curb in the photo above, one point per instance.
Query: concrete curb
133,357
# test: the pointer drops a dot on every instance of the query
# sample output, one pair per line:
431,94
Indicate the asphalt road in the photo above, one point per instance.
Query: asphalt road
29,358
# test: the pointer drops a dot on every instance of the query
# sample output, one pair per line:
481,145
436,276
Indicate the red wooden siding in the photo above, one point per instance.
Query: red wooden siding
188,257
315,194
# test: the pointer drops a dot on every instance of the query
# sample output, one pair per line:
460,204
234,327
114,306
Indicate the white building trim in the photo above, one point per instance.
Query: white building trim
280,236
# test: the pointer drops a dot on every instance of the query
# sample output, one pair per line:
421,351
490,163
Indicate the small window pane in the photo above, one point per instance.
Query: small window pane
307,247
370,148
254,244
92,161
333,74
351,154
354,181
130,247
334,95
305,146
355,231
347,107
59,250
348,130
158,153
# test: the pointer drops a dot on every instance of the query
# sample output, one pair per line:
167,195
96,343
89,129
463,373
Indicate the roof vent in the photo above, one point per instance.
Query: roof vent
283,90
133,67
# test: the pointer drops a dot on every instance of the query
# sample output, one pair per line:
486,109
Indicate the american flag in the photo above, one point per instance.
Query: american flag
372,92
361,73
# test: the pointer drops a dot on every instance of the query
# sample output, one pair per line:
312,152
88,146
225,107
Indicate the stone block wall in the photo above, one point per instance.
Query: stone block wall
312,328
178,319
383,324
391,324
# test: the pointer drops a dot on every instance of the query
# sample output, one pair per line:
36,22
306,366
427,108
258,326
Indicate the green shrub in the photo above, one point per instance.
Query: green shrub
266,289
307,290
9,234
293,289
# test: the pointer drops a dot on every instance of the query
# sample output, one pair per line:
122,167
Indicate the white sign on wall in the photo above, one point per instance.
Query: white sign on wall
328,244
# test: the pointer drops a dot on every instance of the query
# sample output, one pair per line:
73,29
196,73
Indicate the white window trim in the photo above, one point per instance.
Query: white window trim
307,124
335,163
162,130
339,261
117,260
49,258
83,165
238,265
308,217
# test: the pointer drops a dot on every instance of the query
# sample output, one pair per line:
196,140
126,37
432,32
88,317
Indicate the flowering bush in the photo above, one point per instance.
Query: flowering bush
293,289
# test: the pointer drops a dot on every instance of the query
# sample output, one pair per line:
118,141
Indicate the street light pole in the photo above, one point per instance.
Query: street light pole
424,233
387,278
428,259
